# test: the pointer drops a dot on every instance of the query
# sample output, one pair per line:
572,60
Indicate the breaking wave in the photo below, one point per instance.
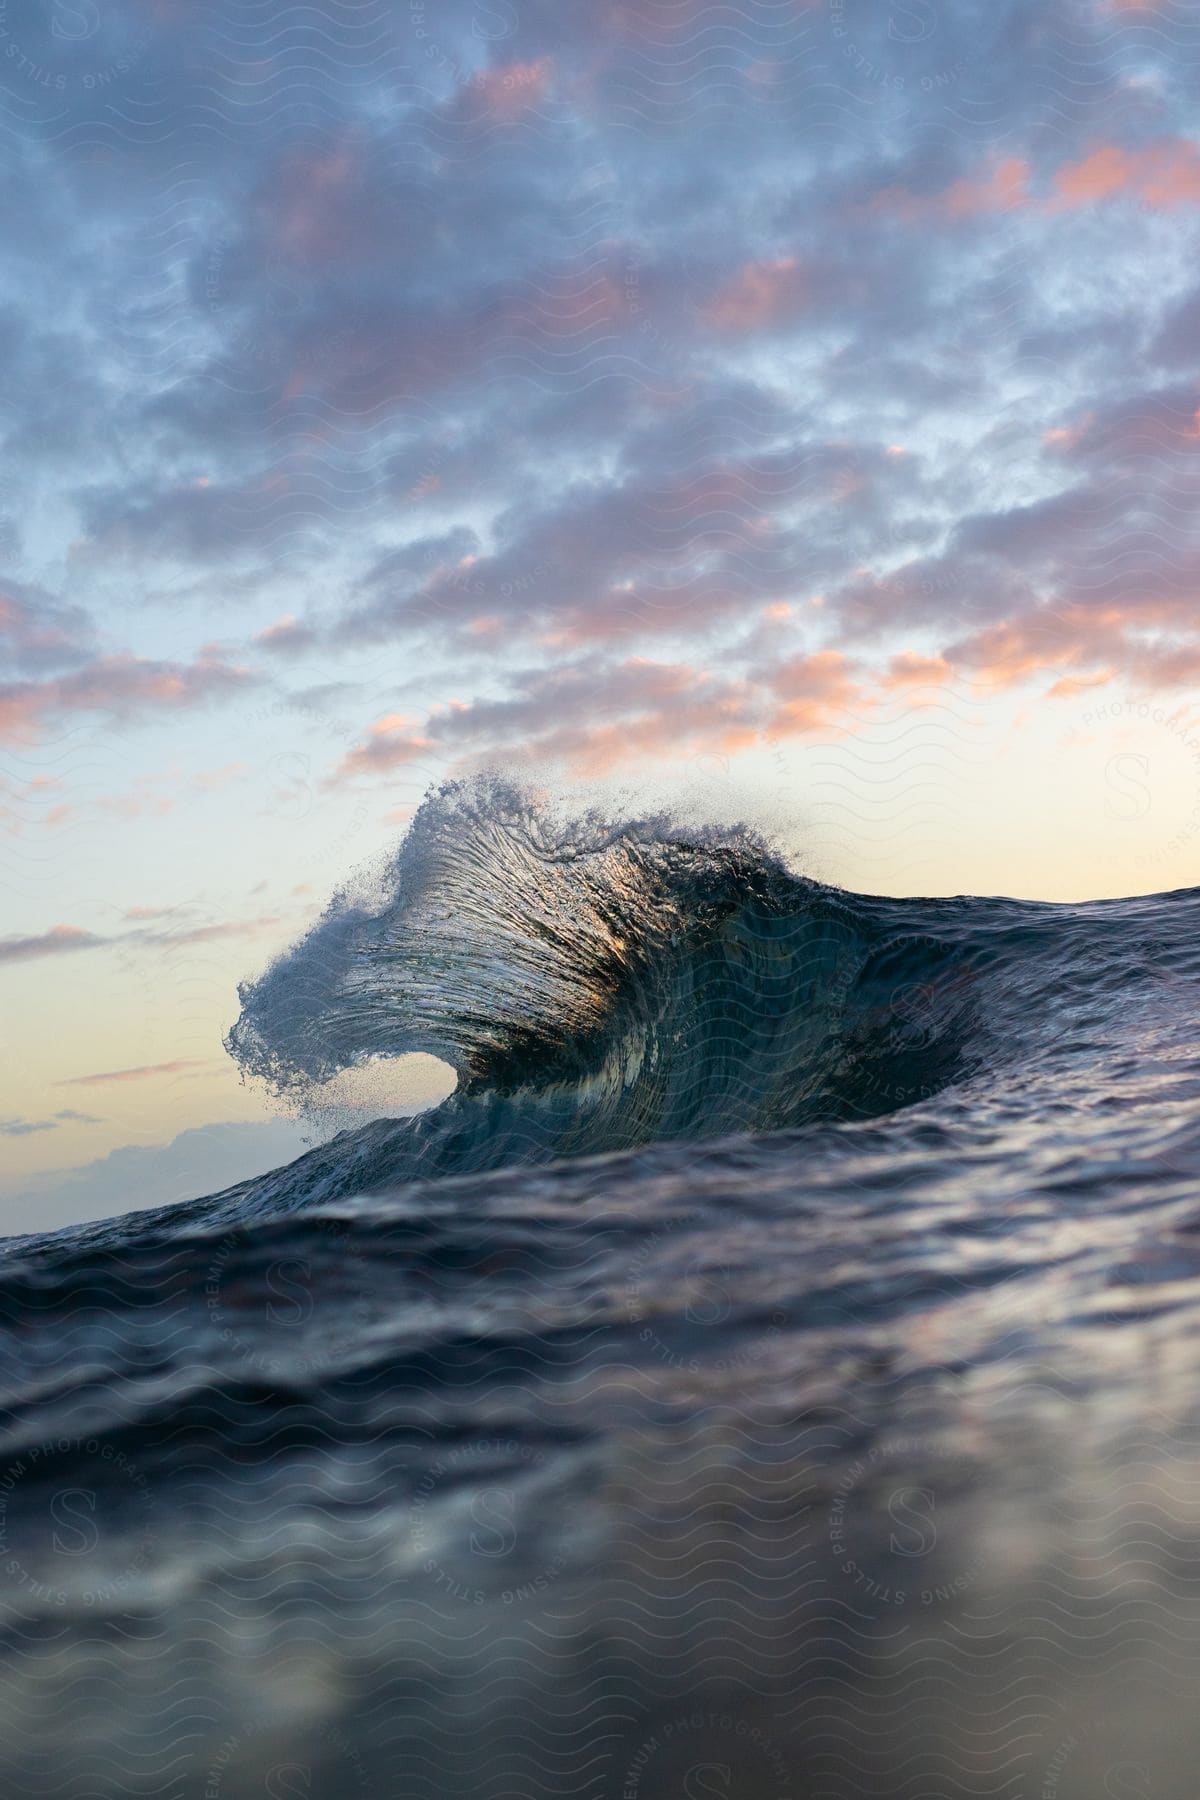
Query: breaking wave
597,986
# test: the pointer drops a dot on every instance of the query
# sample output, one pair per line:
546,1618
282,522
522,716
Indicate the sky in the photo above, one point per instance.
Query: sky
790,403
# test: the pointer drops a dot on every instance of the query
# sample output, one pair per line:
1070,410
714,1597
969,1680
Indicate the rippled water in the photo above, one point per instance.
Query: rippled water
773,1373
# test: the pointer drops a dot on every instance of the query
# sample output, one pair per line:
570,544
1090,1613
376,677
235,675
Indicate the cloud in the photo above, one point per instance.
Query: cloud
212,781
61,939
1134,431
507,90
29,1127
656,551
559,371
1164,174
814,691
389,743
123,687
999,188
1177,342
286,637
136,1176
202,520
910,670
211,933
595,717
147,1072
38,632
761,294
55,942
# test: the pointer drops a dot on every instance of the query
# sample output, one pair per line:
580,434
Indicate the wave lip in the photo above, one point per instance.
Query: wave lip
501,936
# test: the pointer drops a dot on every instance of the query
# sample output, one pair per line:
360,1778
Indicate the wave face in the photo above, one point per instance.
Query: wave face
775,1371
598,987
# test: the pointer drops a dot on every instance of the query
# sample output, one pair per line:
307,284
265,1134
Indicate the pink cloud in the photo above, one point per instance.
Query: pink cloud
1156,666
121,686
593,751
389,744
286,636
597,719
54,942
308,207
911,670
1147,423
512,88
207,934
1005,654
1165,174
761,294
1071,686
210,781
1089,645
147,1072
135,805
999,189
39,632
815,691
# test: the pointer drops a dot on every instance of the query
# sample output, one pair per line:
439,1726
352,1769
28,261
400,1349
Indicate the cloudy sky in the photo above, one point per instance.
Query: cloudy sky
791,401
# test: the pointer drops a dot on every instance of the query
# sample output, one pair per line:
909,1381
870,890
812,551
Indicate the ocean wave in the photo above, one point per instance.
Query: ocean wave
822,1416
599,985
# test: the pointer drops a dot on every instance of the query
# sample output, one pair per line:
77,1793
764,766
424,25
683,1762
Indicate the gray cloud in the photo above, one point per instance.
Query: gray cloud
56,942
493,332
29,1127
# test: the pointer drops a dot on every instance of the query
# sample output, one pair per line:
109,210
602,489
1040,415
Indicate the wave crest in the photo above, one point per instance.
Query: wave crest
505,939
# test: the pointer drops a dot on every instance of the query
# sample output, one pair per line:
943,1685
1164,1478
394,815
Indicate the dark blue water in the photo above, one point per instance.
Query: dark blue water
773,1373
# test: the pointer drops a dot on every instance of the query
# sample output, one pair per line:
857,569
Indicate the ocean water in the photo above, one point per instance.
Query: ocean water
773,1373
